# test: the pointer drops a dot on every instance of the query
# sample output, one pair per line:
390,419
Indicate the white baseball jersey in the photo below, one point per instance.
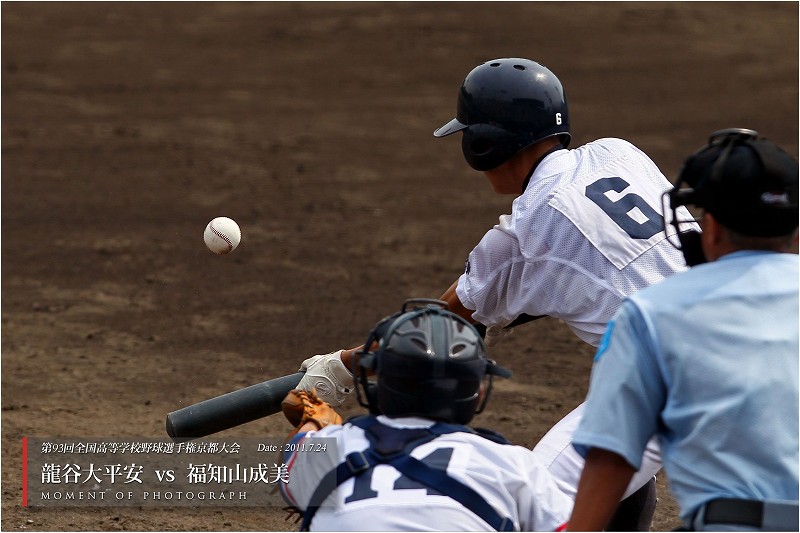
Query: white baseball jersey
508,477
586,233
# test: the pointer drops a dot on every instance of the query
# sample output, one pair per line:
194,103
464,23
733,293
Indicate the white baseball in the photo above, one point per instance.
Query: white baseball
222,235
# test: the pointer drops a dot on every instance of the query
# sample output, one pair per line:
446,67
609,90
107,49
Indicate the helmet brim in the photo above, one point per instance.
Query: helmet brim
451,127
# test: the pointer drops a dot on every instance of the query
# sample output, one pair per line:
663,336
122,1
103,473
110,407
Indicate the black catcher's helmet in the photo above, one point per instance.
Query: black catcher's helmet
504,106
746,182
428,361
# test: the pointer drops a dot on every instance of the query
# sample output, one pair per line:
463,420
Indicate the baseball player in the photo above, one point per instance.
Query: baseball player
413,464
585,231
708,359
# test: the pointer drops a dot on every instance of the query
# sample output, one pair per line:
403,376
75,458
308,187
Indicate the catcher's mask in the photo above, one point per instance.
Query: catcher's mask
745,181
504,106
428,362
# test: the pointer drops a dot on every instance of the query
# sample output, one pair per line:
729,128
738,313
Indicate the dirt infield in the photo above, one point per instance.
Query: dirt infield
126,127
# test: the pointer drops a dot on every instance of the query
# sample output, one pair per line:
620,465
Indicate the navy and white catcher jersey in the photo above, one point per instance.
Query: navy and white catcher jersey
508,477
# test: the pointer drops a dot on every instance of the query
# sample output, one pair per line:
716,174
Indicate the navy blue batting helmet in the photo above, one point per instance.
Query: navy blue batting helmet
504,106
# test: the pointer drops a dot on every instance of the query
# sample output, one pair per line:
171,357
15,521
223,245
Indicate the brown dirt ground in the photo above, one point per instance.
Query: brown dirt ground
126,127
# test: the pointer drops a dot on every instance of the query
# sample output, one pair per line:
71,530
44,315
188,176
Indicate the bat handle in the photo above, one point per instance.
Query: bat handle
231,409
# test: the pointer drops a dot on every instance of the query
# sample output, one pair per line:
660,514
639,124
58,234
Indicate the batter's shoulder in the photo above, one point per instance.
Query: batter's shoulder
613,147
611,143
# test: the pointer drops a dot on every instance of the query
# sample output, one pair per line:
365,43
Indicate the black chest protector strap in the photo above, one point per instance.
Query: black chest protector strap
393,446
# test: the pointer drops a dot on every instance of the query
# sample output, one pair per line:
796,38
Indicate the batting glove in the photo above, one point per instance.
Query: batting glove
328,376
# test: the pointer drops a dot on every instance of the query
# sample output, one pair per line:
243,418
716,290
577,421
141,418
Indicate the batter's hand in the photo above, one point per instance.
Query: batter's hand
301,407
327,375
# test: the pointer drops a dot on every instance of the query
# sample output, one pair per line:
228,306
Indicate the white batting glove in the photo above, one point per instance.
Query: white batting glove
328,376
496,334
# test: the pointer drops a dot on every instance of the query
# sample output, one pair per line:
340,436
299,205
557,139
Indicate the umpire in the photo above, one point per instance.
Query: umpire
707,360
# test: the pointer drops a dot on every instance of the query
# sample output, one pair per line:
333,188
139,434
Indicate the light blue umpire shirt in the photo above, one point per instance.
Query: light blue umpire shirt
708,361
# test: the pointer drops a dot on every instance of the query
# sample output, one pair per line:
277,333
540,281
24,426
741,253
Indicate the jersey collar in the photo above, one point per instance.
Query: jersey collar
536,164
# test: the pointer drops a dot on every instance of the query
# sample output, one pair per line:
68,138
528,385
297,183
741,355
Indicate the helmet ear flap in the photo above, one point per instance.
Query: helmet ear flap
486,147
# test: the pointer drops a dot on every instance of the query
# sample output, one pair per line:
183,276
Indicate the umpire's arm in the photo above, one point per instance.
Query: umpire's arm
603,482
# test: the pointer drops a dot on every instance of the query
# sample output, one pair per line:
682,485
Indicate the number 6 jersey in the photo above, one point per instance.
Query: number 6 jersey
586,233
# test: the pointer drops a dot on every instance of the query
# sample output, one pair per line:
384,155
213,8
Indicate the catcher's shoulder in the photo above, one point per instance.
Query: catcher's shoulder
492,435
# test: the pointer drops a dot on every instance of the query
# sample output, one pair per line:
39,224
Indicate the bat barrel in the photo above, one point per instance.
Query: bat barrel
231,409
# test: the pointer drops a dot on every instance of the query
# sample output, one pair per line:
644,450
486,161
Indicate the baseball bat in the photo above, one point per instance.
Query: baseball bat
231,409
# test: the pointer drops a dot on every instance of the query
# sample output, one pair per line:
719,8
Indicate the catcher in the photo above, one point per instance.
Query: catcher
412,464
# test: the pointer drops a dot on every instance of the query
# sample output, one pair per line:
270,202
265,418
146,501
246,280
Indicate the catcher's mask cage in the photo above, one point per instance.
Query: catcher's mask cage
428,362
504,106
746,182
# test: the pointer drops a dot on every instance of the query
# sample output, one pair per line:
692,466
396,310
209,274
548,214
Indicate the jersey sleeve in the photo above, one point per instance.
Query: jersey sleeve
512,479
546,507
492,284
626,392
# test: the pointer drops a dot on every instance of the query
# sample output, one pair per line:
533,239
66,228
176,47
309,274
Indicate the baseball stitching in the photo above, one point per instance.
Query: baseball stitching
221,236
